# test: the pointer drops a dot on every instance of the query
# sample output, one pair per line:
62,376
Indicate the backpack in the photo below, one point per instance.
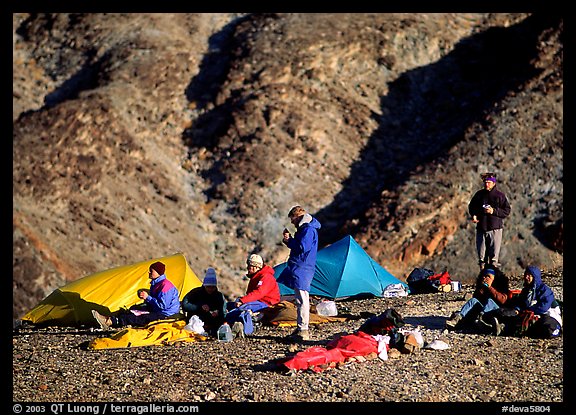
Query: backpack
424,281
545,327
419,282
385,323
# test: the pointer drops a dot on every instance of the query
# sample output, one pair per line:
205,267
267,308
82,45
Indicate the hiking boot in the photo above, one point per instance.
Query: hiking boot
498,327
257,317
238,329
483,325
104,322
299,335
453,321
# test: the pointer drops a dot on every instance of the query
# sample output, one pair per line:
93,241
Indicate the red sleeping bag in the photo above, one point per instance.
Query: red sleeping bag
357,344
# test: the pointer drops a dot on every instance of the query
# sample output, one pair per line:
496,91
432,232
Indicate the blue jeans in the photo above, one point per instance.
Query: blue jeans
471,303
242,314
252,306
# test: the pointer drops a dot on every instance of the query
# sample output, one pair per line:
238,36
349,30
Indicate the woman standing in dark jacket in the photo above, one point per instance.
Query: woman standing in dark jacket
488,208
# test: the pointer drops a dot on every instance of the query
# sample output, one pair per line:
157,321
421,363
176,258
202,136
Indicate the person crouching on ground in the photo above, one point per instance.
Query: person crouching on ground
160,302
262,292
207,302
492,291
534,312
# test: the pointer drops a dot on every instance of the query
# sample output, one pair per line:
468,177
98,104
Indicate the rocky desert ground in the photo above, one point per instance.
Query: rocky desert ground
53,365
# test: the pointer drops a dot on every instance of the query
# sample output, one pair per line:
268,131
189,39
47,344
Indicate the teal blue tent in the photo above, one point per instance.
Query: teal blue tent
344,269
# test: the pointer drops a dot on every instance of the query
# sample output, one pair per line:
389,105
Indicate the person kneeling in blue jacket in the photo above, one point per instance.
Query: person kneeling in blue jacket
534,312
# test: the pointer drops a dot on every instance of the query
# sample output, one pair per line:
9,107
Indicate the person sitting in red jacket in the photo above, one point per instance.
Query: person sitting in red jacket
262,292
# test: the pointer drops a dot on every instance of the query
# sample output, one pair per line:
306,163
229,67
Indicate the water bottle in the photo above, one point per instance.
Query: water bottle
224,333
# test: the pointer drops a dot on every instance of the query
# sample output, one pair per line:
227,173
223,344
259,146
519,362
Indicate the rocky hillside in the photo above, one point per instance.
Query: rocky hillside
140,135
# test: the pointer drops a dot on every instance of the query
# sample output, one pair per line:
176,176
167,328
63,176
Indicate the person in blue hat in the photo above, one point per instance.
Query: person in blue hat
207,302
492,292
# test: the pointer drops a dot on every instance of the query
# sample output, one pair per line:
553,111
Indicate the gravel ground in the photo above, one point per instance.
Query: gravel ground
53,365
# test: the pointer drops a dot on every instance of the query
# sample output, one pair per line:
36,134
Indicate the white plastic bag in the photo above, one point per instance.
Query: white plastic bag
195,324
437,345
383,342
326,308
416,333
395,290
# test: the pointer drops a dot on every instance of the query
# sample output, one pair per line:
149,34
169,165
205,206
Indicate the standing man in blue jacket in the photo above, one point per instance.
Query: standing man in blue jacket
301,264
488,208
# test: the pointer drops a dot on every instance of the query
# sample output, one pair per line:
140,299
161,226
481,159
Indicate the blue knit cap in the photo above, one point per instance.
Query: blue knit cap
210,278
489,271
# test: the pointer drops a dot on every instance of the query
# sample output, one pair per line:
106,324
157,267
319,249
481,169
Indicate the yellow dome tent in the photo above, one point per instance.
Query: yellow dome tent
107,291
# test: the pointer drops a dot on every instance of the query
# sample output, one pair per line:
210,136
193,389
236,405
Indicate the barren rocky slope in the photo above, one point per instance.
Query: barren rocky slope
53,365
139,135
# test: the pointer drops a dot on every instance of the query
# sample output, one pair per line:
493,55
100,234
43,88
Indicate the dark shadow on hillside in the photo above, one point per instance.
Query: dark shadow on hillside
428,110
429,322
86,78
550,234
213,123
214,67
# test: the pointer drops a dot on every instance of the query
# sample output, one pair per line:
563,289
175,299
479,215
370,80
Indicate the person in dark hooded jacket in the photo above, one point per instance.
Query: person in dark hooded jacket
534,312
301,265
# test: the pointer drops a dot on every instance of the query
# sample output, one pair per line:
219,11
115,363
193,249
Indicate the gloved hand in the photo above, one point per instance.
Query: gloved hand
526,319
